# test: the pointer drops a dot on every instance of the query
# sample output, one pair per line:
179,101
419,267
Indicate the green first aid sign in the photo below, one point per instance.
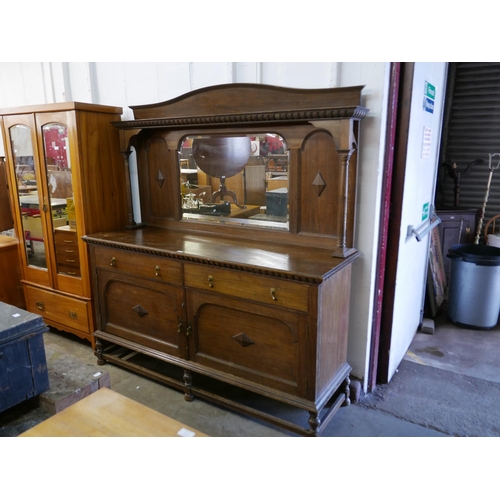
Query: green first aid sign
429,90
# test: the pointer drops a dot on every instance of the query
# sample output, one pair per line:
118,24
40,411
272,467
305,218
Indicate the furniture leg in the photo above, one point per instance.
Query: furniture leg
99,345
188,384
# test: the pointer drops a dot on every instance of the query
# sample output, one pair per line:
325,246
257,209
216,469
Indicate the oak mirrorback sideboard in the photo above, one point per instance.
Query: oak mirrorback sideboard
237,281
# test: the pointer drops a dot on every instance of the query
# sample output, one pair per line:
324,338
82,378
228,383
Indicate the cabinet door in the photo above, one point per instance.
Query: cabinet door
58,148
26,177
254,342
142,311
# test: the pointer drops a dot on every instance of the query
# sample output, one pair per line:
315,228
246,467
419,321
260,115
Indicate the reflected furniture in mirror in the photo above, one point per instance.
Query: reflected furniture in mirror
66,179
250,288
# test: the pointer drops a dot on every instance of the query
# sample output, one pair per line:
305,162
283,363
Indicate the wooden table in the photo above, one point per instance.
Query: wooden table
107,413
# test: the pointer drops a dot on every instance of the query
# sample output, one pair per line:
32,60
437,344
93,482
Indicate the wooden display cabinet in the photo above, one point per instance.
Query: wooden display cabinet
66,179
260,305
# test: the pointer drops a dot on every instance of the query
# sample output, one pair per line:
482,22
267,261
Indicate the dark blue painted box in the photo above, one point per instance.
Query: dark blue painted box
277,202
23,364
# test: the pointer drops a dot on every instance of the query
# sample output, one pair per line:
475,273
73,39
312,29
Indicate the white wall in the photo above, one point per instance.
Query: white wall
419,189
375,77
124,84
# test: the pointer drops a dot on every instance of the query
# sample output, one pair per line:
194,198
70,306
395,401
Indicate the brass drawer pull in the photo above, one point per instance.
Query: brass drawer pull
71,272
73,315
69,251
157,270
211,281
70,260
69,241
113,262
40,305
273,293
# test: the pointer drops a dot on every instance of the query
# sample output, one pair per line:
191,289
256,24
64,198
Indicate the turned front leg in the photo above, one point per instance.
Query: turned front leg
314,422
346,387
99,347
188,384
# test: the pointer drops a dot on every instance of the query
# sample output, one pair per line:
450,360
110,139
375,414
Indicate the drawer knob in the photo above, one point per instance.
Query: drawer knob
157,270
73,315
113,262
211,281
273,293
40,305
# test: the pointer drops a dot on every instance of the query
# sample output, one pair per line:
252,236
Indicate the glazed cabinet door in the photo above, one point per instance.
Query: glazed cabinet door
147,313
29,196
58,149
251,341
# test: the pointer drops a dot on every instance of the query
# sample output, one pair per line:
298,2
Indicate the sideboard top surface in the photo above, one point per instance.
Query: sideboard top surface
292,262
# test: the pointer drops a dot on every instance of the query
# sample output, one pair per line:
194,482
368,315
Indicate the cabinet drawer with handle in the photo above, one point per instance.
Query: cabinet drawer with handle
64,236
67,255
262,289
58,308
146,266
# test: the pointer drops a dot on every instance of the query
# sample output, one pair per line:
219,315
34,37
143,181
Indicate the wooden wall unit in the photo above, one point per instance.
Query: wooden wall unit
6,220
262,306
11,291
66,180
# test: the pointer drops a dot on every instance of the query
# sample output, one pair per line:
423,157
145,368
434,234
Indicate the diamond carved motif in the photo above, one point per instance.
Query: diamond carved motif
139,310
160,179
243,339
319,184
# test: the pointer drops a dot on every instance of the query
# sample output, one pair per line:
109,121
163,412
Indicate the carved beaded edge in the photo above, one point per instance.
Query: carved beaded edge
357,112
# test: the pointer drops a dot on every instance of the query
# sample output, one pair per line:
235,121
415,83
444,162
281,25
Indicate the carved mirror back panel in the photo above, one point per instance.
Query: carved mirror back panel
287,177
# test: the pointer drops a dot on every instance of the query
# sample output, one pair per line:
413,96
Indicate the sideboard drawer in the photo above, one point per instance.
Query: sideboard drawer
262,289
153,267
58,308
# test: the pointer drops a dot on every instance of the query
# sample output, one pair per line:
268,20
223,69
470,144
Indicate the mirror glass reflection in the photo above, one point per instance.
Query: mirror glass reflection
60,192
29,195
240,179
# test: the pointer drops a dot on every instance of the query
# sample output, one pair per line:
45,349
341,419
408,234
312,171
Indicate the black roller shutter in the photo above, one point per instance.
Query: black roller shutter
471,131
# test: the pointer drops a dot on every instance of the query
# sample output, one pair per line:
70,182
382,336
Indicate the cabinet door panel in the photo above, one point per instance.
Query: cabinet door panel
142,311
258,343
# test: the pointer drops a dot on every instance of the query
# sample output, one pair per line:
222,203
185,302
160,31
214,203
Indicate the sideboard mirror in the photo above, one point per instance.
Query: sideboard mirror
235,178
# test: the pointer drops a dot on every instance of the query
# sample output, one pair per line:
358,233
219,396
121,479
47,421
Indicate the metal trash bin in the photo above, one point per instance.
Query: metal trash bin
474,285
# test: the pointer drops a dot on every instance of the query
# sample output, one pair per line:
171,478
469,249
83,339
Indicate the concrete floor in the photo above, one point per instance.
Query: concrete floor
447,385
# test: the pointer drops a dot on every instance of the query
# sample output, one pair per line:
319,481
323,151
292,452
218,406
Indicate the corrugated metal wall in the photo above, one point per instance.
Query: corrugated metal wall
471,131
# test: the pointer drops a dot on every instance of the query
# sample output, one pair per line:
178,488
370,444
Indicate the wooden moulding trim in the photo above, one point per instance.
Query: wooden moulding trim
226,265
61,106
228,99
357,112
